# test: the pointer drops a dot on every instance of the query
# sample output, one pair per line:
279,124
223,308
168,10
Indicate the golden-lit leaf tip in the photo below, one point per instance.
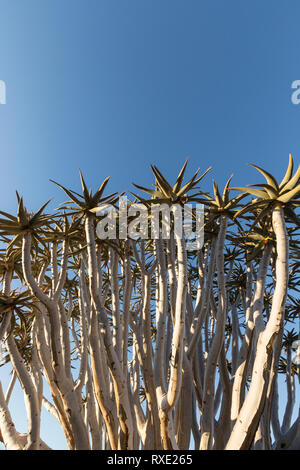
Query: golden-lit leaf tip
270,178
179,180
289,172
286,197
293,181
84,187
225,192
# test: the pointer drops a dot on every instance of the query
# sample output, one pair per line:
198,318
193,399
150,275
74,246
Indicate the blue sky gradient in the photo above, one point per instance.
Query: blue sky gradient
112,86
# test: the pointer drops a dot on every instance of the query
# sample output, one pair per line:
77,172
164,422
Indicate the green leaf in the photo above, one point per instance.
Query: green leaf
98,194
289,172
255,252
22,216
252,205
217,194
192,183
36,216
14,241
69,193
291,214
84,188
270,178
260,216
254,192
77,194
109,198
226,190
255,236
11,217
162,182
179,180
234,202
153,192
292,182
289,195
270,190
8,230
9,223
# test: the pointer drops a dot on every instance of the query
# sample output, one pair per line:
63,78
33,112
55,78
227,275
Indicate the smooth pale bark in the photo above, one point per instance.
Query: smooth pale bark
266,417
247,421
97,353
142,422
291,440
115,301
207,419
65,384
31,396
115,366
248,293
222,426
240,375
152,374
128,286
50,408
275,413
101,387
203,305
23,438
9,435
149,344
43,352
195,426
168,401
170,251
10,386
6,317
147,361
161,319
82,349
290,385
92,421
185,406
5,324
235,339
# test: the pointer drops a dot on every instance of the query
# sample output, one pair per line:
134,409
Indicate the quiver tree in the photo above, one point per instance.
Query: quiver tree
144,342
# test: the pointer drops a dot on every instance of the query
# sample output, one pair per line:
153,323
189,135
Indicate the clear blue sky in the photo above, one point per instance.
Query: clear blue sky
111,86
